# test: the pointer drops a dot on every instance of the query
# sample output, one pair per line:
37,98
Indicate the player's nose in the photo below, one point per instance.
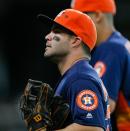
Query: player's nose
48,37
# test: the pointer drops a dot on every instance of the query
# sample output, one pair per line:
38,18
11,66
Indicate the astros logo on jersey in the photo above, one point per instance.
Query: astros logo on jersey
100,68
87,100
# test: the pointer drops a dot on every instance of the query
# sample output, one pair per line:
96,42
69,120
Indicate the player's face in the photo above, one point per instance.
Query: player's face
57,45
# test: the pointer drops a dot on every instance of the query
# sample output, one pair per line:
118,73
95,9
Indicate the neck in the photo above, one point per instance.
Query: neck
68,62
104,33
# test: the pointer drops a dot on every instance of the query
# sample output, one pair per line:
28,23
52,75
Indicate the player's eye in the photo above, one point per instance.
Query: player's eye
56,38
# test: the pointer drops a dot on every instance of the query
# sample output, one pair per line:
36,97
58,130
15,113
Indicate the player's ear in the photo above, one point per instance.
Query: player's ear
76,41
98,15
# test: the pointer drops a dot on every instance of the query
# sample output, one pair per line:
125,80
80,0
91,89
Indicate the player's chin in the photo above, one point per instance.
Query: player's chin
47,55
51,57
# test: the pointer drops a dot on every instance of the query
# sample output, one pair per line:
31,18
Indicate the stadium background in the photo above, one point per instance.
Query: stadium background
22,47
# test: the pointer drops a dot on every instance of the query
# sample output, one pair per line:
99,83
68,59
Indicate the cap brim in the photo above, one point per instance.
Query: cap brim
45,19
50,22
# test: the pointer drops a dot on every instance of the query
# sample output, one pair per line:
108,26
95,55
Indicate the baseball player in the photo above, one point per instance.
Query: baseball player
69,44
111,57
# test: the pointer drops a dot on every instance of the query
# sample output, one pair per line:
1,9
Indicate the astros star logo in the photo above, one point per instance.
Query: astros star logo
87,100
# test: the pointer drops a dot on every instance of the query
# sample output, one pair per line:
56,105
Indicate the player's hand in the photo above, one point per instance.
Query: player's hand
35,105
41,109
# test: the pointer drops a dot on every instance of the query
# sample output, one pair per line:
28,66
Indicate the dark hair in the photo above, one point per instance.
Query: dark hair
62,29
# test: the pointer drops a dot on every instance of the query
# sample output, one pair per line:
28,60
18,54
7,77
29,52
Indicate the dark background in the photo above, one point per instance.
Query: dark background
22,47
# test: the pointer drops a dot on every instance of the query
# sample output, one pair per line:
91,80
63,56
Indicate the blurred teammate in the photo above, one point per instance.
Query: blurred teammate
111,57
69,44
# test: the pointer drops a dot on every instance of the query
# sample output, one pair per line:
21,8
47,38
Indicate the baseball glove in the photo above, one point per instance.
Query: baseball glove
41,110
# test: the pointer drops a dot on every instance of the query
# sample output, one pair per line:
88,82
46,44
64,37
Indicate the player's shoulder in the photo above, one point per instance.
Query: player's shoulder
87,80
117,39
116,43
84,77
84,72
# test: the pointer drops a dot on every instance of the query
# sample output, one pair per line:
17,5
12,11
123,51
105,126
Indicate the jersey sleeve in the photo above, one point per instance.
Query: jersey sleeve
109,67
86,103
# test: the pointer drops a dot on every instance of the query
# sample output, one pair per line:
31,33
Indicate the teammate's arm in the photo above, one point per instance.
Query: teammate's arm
77,127
112,105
